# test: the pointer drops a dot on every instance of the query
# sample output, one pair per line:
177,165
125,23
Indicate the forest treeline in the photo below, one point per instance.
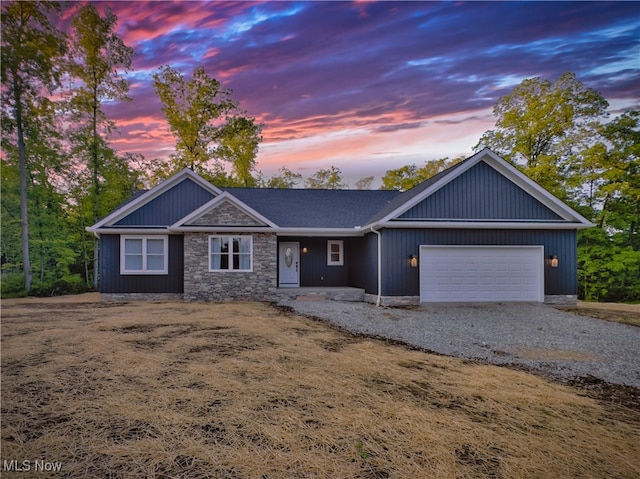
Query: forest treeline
59,174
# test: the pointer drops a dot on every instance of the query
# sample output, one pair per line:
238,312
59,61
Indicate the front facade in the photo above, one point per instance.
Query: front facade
479,231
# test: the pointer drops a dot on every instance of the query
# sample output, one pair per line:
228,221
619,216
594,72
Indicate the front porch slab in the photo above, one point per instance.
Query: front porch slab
320,293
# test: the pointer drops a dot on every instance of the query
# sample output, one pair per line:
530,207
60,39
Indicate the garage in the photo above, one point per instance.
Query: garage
481,273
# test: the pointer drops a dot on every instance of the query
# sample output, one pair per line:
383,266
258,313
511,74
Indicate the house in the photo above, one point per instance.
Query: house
478,231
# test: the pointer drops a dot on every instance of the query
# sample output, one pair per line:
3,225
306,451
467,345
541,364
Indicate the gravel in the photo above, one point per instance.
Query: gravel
559,343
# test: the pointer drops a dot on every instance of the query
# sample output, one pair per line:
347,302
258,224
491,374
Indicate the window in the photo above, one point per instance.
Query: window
143,255
335,253
230,253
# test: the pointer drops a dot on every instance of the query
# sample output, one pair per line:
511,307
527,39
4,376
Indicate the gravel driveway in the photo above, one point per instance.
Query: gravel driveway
560,343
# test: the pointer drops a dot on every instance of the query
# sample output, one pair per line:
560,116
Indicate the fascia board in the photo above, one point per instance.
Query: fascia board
131,230
310,232
152,194
523,225
212,204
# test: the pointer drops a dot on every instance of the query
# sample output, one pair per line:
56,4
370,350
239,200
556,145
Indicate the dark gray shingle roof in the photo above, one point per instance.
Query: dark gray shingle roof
309,208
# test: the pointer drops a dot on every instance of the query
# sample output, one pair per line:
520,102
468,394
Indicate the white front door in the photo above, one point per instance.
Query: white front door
288,265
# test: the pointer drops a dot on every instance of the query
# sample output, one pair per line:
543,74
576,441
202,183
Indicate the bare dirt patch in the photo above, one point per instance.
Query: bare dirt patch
247,391
616,312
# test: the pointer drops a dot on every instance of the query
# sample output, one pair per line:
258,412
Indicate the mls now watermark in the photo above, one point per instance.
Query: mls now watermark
37,465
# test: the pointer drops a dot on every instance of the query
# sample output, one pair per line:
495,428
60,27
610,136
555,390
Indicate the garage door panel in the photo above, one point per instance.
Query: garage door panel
481,273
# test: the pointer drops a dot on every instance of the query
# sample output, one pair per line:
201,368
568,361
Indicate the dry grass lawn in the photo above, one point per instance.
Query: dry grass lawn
618,312
159,390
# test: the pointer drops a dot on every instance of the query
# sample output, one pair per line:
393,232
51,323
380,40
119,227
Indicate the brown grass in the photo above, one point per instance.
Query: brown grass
617,312
248,391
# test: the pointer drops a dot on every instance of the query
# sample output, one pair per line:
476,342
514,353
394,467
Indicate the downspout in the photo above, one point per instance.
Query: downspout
379,298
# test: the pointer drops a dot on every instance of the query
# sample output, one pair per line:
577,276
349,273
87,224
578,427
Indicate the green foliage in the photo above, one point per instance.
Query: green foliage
608,269
539,121
364,183
330,179
12,285
408,176
555,133
238,143
284,179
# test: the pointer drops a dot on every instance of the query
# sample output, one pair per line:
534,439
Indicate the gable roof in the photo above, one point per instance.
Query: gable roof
410,198
185,223
313,211
141,199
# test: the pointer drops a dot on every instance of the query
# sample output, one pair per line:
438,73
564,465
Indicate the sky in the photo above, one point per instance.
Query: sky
369,86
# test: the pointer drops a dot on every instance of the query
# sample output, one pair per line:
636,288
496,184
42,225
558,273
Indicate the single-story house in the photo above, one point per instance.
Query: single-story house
478,231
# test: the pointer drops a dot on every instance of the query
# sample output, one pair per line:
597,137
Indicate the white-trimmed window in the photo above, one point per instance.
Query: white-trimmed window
144,255
335,253
231,253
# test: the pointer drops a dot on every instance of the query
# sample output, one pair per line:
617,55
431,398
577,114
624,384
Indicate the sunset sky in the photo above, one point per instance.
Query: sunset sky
370,86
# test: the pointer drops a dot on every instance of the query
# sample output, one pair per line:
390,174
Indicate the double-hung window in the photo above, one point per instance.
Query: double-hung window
335,253
230,253
143,255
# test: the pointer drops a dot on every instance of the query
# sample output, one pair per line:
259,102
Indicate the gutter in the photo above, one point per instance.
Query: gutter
379,298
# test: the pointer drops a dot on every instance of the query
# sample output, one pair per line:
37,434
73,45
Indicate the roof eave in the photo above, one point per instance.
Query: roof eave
542,225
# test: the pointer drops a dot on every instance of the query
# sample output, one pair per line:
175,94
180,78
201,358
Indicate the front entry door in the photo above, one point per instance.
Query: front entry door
288,265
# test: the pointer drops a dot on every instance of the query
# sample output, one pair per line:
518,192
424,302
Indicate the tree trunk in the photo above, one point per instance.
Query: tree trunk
22,162
96,186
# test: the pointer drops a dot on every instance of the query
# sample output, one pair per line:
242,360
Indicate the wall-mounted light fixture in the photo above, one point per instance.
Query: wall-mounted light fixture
413,261
305,250
553,261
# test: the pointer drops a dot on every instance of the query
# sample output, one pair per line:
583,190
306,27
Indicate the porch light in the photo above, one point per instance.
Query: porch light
413,261
553,260
305,250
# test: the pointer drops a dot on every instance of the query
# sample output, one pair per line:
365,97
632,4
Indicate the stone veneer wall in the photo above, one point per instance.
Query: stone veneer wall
202,285
226,214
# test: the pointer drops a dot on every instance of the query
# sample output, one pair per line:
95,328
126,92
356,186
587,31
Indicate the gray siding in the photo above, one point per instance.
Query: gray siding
111,281
169,207
481,193
400,279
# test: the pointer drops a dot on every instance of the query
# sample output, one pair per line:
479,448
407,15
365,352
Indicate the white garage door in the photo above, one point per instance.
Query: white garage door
481,273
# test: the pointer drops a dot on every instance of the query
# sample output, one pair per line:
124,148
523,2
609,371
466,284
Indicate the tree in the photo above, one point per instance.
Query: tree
52,251
195,111
31,47
408,176
330,179
284,179
535,120
556,134
98,58
238,144
364,183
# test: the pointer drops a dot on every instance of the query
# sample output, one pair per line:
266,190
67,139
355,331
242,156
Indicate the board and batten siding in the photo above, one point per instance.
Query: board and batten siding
363,273
169,207
481,193
111,281
314,270
400,279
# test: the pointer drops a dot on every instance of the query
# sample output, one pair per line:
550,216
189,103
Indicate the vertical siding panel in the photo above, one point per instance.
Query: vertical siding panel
398,244
169,207
481,193
111,281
